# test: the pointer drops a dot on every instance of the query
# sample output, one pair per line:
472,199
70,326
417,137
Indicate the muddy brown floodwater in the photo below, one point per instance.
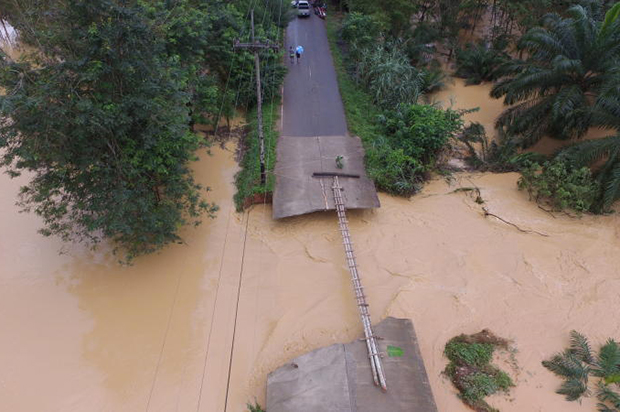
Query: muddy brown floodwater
457,95
81,333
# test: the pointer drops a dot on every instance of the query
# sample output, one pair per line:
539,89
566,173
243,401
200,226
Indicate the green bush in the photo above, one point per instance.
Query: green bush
401,145
388,76
478,386
421,130
471,371
562,187
392,170
360,31
463,353
501,155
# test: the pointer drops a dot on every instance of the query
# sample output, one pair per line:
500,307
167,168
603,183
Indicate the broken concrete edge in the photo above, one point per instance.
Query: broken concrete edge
311,211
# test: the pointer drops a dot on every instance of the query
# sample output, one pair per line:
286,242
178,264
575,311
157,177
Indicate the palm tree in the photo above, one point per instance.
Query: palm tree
605,113
578,362
552,92
479,62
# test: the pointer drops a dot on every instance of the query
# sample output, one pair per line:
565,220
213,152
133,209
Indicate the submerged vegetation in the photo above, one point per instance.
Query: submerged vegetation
559,185
471,371
585,372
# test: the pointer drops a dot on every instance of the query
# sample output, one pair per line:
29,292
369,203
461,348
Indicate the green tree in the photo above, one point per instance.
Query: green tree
395,15
414,136
479,63
99,115
601,155
552,92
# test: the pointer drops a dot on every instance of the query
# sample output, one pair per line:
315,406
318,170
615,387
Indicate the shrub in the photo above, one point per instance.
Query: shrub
560,186
432,80
359,31
389,77
463,353
470,368
392,170
421,130
499,155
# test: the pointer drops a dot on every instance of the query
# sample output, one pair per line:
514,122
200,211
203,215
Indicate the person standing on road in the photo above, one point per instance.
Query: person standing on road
298,52
291,54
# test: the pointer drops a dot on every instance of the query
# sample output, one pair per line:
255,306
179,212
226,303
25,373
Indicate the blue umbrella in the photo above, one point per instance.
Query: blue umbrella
300,50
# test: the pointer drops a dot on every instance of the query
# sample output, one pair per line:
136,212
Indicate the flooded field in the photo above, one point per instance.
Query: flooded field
85,334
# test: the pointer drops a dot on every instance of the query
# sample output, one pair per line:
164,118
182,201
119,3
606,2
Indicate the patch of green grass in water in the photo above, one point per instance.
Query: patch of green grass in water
472,373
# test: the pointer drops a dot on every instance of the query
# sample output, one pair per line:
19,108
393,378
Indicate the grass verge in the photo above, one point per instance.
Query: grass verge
361,112
249,187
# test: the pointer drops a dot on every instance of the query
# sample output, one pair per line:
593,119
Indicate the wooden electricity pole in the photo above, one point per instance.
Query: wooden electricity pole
256,46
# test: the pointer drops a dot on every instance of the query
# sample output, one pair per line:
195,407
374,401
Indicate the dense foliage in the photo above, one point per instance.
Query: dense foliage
412,137
556,67
479,62
100,113
248,180
559,185
402,138
551,92
577,364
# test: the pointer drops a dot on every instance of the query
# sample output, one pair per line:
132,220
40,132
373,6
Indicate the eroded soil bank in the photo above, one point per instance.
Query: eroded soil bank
81,333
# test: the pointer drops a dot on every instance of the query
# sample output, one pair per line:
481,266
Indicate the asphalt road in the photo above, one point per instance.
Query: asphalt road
312,103
314,132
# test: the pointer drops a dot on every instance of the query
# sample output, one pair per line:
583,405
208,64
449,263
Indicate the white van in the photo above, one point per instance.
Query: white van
303,8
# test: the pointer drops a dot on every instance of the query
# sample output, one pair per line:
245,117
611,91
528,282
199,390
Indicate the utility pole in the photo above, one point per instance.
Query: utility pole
256,46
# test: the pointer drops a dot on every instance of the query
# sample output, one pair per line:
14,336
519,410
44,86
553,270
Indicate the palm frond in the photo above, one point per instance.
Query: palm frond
610,17
608,362
568,366
611,190
609,400
590,151
568,101
573,389
570,59
580,347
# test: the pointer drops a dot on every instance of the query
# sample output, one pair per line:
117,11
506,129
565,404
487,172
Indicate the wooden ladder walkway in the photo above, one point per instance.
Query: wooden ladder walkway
369,337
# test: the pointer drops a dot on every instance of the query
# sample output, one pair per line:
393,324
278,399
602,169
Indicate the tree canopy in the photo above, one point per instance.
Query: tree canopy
99,114
553,91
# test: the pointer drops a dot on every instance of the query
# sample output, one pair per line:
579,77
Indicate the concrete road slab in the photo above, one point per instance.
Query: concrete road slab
338,377
298,192
314,132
